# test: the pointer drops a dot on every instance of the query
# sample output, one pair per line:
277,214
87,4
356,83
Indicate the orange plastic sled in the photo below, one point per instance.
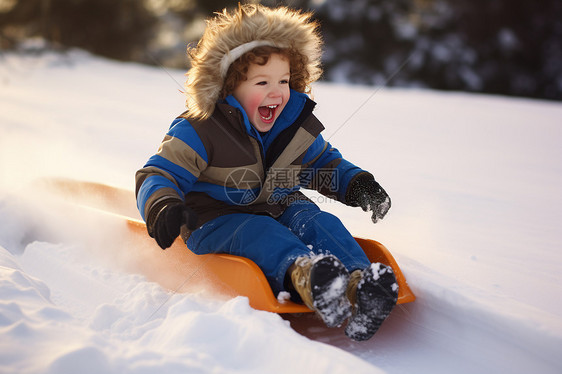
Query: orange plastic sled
179,269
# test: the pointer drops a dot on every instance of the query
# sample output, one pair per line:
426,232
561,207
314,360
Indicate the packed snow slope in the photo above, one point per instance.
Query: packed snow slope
475,226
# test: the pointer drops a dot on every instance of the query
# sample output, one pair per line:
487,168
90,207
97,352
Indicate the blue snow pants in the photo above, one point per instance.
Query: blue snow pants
274,244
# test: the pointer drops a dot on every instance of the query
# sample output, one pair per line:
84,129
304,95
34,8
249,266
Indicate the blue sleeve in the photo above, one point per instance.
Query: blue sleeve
326,170
172,172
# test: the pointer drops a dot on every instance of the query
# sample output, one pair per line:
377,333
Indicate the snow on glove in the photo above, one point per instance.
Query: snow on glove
170,216
365,192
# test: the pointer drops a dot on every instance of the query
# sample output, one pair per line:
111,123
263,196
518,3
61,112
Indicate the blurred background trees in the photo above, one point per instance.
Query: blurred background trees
508,47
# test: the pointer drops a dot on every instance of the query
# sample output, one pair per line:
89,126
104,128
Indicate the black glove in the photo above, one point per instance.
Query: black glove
169,217
365,192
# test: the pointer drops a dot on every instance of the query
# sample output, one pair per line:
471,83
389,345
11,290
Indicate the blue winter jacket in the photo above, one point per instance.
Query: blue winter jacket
223,165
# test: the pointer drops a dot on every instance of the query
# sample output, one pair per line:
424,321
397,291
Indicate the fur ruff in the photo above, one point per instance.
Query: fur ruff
283,27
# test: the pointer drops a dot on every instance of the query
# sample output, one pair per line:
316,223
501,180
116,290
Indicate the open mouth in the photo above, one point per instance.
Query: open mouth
267,113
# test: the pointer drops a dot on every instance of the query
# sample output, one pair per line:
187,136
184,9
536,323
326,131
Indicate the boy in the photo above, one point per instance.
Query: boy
228,173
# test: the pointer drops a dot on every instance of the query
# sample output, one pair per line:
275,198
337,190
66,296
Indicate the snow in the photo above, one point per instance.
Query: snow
475,183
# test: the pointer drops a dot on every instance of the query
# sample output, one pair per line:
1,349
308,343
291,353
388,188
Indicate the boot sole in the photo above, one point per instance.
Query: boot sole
377,294
328,280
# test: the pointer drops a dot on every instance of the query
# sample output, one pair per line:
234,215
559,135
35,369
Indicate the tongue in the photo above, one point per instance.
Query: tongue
264,111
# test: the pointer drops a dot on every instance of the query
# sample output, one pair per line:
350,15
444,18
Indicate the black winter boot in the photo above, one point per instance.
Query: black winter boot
321,281
373,293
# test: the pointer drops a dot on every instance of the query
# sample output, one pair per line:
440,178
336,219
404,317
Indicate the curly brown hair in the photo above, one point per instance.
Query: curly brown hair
237,72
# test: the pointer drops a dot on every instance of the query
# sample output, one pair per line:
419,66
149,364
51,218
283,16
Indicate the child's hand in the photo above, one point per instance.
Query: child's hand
365,192
169,220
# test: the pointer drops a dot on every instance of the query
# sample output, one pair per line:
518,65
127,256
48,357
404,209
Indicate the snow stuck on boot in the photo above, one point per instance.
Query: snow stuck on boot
328,280
377,294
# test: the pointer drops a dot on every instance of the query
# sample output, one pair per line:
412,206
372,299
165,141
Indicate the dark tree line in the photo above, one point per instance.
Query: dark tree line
106,27
509,47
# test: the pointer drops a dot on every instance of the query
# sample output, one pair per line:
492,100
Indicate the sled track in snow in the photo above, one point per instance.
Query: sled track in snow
443,316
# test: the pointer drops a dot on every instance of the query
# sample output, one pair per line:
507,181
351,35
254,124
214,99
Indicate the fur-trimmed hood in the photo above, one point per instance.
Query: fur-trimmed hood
281,27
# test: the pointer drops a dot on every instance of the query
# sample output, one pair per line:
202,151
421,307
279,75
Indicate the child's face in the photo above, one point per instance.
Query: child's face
265,92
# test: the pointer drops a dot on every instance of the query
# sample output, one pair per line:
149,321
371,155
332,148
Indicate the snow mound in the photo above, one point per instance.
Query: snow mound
139,327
